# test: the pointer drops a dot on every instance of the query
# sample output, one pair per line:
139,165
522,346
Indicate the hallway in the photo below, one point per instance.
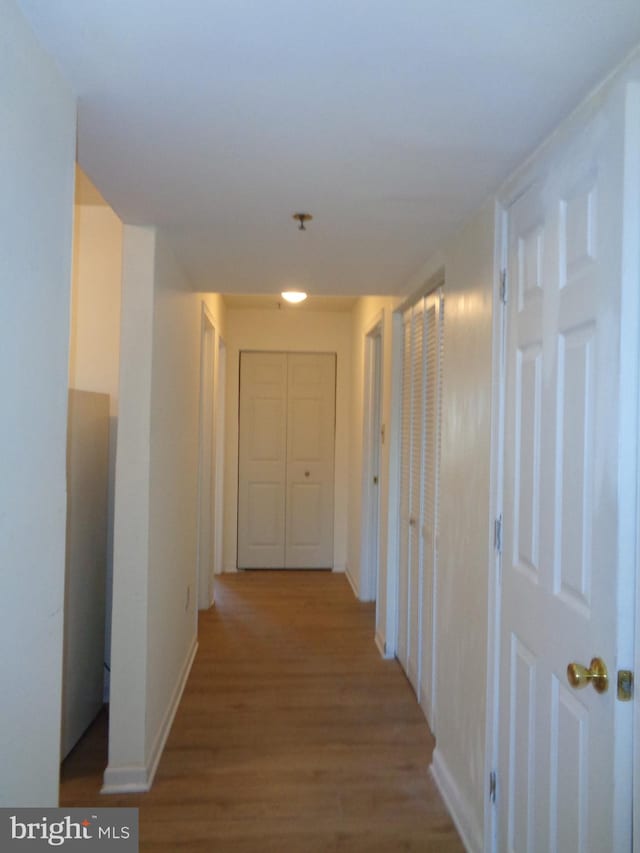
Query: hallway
293,734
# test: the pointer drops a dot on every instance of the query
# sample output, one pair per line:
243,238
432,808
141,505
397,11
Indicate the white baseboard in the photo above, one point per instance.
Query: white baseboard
230,569
130,779
381,644
139,778
460,810
427,707
339,568
352,584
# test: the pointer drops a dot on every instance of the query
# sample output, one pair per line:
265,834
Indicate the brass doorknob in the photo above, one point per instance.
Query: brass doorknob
579,676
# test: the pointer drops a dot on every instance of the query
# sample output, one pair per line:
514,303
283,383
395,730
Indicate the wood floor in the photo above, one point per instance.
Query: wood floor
293,734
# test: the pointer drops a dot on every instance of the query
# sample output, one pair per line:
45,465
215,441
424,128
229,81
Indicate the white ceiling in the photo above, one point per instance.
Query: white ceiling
389,120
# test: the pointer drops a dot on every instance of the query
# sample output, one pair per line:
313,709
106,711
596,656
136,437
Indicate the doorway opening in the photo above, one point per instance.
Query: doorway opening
207,457
372,440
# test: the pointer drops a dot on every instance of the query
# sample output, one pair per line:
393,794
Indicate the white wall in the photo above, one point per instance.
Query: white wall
154,593
127,716
94,357
292,331
37,152
462,594
465,523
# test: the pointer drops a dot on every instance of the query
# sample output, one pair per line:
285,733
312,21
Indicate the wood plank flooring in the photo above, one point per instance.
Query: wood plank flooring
293,734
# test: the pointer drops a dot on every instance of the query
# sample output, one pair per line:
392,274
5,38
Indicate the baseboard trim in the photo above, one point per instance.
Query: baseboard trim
352,583
339,568
427,706
132,779
139,778
459,809
381,645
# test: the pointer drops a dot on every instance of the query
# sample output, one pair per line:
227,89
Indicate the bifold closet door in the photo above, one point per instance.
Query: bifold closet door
310,465
262,460
286,460
404,557
419,451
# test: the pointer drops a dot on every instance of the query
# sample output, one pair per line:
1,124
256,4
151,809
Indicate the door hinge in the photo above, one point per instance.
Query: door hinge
503,287
625,685
497,534
492,786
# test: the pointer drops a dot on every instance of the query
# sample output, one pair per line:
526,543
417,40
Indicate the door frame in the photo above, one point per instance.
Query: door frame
629,436
372,460
219,452
206,461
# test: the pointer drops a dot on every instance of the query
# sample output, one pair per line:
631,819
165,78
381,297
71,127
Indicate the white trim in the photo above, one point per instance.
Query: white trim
628,714
352,583
461,813
373,342
382,646
219,461
129,779
139,778
206,424
496,469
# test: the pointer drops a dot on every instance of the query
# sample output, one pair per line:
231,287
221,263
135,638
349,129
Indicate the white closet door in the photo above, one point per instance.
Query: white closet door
405,495
310,466
262,460
433,327
419,453
415,501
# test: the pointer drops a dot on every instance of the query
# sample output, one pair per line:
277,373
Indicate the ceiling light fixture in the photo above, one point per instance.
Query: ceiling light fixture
302,218
294,296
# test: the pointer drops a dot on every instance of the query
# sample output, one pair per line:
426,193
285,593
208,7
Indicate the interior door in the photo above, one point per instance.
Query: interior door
262,460
404,557
286,460
418,378
310,466
433,330
564,773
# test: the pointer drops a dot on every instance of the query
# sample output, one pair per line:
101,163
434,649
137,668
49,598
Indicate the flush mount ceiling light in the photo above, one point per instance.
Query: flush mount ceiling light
294,296
302,218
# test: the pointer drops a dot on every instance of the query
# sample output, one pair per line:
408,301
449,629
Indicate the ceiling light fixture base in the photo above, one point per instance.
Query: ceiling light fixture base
302,218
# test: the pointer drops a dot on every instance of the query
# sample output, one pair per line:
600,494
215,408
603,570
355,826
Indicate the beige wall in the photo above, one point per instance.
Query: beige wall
37,152
94,357
288,330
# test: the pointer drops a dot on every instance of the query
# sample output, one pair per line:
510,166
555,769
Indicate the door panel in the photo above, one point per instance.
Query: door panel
418,378
557,744
433,328
405,496
262,455
310,466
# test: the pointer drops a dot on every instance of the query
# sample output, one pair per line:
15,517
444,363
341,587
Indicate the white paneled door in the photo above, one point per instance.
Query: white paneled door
564,780
286,460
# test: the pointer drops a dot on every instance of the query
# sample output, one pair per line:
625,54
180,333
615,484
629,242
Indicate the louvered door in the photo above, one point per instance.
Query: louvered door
434,339
418,375
419,453
405,495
